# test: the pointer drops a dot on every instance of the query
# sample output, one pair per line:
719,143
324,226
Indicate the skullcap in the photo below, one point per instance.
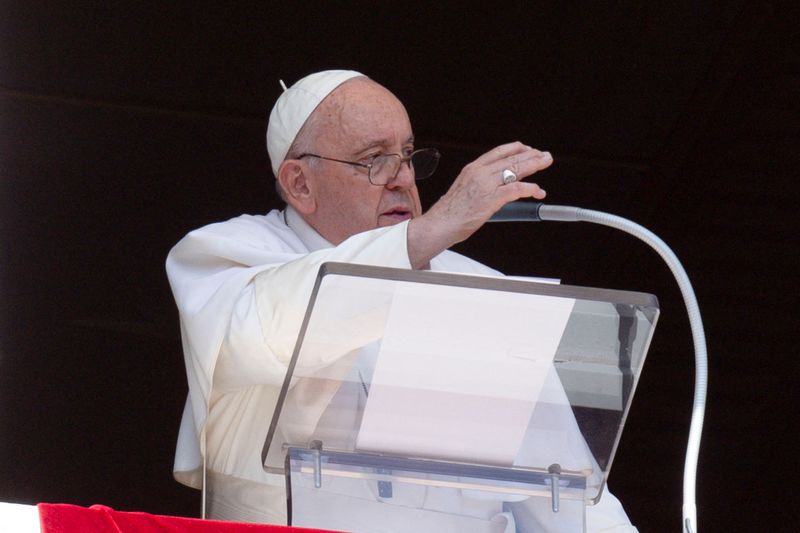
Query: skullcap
295,105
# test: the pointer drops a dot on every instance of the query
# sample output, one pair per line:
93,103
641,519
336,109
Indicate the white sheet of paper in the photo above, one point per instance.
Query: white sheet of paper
460,371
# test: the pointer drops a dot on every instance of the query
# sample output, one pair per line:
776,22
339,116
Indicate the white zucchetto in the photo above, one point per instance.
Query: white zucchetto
295,105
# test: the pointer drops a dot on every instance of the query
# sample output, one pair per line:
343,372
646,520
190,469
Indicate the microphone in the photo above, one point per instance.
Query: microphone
518,212
522,211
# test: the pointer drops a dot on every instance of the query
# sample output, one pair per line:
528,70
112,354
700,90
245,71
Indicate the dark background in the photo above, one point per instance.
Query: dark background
124,127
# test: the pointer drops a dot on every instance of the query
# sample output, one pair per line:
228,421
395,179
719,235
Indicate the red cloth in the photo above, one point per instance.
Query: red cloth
65,518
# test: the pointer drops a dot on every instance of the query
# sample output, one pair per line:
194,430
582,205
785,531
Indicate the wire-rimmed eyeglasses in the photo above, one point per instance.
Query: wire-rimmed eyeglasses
383,168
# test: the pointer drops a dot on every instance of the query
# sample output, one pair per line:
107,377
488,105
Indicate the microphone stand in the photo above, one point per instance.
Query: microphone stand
536,211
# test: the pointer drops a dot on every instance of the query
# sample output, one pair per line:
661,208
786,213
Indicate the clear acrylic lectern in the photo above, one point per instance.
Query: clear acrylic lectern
423,401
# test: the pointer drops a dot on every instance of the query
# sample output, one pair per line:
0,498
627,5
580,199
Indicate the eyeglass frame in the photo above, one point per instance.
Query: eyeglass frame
403,159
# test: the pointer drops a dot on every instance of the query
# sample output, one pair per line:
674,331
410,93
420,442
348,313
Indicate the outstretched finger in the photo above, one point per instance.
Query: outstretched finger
516,168
519,189
502,152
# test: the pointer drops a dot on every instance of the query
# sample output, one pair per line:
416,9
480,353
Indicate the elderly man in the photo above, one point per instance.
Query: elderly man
346,164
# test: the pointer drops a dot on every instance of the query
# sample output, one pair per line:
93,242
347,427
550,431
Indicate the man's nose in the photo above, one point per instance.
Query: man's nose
404,178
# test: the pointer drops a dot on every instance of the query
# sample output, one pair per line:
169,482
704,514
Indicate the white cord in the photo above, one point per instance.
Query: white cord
575,214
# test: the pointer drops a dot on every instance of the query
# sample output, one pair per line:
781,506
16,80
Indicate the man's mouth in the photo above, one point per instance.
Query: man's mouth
398,213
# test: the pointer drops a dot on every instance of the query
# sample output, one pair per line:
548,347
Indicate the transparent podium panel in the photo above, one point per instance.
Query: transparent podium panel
466,396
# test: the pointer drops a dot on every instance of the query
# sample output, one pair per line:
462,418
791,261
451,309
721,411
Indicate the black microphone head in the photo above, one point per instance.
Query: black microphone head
519,211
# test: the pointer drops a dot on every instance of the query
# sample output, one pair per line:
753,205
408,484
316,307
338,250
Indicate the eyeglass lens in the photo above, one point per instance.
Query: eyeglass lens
385,167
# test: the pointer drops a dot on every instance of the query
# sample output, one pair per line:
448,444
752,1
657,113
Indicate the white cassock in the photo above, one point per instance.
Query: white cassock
242,288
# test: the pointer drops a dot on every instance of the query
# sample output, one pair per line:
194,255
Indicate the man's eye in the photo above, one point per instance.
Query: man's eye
369,159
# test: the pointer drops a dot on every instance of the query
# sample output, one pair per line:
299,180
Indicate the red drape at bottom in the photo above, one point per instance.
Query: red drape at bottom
65,518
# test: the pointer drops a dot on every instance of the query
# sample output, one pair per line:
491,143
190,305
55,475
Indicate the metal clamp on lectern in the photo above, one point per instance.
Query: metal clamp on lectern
316,451
555,473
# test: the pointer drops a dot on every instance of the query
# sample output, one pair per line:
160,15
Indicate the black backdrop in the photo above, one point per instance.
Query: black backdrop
125,126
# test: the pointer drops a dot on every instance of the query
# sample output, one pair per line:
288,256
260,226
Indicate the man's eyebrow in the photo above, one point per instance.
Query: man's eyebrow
380,142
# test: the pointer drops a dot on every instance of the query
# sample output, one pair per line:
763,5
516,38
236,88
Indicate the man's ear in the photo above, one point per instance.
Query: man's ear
298,189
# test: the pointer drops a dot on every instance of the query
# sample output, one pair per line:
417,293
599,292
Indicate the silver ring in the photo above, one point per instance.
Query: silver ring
509,177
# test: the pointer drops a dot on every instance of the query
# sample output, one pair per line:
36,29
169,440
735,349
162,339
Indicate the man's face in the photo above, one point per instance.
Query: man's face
361,119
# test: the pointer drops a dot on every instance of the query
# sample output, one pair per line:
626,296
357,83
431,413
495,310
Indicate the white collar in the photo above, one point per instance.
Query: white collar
308,235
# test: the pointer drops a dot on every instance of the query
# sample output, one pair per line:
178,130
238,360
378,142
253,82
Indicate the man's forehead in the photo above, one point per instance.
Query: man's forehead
359,98
366,113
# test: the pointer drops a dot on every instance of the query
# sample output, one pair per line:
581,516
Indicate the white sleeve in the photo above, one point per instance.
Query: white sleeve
608,516
267,316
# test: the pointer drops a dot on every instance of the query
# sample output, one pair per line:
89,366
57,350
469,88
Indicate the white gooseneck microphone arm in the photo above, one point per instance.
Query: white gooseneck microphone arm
536,211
